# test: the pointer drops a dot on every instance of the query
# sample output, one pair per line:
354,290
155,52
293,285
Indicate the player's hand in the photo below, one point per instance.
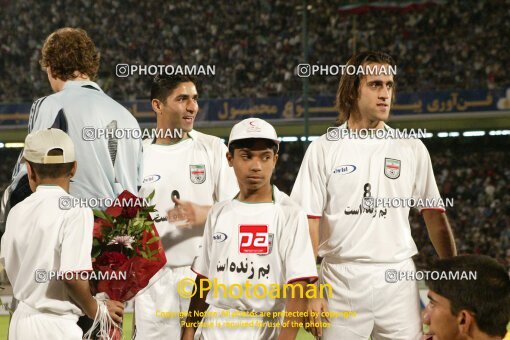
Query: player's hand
316,308
115,309
191,213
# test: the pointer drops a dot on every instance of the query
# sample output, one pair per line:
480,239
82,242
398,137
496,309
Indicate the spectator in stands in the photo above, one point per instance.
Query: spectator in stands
257,57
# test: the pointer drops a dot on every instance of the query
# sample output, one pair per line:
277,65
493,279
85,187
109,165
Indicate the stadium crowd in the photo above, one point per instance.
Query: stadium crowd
476,178
256,45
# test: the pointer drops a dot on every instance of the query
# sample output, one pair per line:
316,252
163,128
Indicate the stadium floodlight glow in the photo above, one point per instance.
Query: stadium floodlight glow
310,138
499,132
453,134
473,133
428,135
1,145
288,139
14,145
442,134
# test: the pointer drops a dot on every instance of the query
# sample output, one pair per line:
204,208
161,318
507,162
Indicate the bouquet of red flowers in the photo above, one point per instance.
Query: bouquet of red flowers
126,249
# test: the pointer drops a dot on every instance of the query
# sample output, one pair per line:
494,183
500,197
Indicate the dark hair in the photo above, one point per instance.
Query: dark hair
68,50
348,88
248,143
163,85
52,170
488,297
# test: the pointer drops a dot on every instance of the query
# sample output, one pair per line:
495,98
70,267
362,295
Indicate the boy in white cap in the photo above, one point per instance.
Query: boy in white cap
260,240
41,240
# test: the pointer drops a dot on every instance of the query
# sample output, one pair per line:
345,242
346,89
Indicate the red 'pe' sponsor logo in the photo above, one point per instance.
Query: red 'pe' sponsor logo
253,239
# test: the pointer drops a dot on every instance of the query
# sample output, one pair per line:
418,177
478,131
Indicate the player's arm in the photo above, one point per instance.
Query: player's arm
315,307
313,227
79,290
440,232
197,308
317,311
75,257
295,303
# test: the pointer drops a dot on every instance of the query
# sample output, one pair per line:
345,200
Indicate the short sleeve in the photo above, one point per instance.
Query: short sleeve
201,263
299,260
309,189
76,244
225,186
43,113
425,189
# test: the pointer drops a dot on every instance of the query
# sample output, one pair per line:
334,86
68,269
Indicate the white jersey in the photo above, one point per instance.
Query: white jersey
197,168
106,165
229,256
336,177
39,238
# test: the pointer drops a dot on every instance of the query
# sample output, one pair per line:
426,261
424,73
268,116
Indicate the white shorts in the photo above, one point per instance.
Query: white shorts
236,328
370,306
157,306
28,323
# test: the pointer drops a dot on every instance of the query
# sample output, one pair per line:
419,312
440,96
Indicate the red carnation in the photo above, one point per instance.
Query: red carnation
126,204
97,231
111,259
132,209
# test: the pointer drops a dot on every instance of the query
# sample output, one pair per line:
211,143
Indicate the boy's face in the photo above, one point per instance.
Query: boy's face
437,314
179,109
253,166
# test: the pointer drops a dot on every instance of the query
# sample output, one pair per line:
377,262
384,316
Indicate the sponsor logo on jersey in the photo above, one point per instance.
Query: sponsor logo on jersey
392,168
219,237
271,238
253,239
197,173
344,169
151,178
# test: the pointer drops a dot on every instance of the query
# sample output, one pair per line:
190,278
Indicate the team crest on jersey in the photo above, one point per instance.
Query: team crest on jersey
197,173
254,239
392,168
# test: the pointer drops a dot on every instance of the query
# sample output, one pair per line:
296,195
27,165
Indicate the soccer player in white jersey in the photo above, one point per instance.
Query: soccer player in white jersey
109,164
260,237
41,239
359,244
192,165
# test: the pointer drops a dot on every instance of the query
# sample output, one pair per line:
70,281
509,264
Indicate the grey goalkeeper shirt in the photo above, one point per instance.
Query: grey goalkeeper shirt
108,163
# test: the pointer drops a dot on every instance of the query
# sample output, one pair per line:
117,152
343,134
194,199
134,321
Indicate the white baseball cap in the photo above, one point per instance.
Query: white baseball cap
39,143
253,128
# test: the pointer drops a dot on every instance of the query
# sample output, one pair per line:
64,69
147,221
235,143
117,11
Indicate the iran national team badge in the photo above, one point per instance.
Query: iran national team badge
197,173
253,239
391,168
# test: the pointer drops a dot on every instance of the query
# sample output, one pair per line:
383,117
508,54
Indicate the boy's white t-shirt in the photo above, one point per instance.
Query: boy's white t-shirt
259,243
39,238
